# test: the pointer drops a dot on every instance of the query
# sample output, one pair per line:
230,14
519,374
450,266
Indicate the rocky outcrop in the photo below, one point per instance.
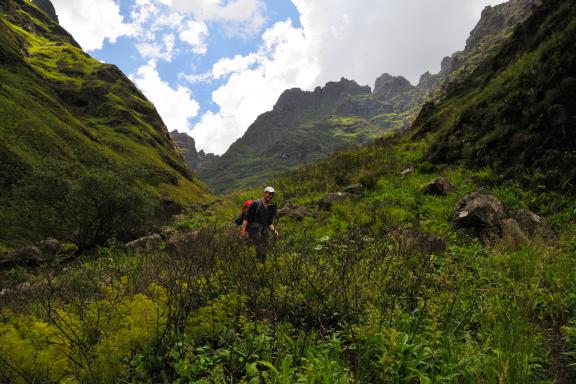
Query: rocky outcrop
511,232
502,17
181,243
389,87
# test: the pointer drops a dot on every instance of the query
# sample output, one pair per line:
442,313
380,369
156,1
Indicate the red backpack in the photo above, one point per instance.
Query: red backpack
245,207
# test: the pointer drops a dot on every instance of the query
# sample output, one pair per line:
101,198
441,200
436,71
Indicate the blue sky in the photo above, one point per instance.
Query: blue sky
212,66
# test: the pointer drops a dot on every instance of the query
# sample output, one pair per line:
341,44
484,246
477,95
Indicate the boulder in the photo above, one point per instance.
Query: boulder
293,211
355,189
439,187
29,256
533,225
333,197
146,243
479,214
181,242
50,247
510,231
417,242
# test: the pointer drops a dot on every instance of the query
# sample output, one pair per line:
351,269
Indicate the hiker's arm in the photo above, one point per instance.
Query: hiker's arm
243,230
273,229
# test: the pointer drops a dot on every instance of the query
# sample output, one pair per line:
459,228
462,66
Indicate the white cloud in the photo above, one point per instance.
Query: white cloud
175,105
244,17
363,39
163,50
195,33
92,22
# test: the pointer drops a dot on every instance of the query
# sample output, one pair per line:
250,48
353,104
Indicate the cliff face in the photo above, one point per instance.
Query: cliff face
59,105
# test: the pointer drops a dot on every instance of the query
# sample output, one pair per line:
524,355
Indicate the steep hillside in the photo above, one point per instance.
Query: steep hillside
303,128
517,111
60,109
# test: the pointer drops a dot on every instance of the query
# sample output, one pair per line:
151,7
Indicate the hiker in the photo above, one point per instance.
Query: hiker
258,220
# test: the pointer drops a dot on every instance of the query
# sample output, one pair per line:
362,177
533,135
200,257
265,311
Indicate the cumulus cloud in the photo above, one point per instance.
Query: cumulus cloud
175,105
92,22
195,33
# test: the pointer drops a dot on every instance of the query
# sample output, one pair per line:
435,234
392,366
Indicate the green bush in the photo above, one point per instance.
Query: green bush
88,211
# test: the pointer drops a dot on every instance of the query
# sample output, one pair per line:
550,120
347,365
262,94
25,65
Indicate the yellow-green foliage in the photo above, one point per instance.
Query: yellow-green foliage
34,349
211,319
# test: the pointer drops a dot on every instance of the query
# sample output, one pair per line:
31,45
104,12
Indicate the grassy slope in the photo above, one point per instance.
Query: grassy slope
59,104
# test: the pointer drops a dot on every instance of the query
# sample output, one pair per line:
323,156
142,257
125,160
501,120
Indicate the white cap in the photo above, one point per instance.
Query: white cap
269,189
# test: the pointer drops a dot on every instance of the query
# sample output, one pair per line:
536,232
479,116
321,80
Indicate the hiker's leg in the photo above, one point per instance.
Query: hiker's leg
261,247
256,240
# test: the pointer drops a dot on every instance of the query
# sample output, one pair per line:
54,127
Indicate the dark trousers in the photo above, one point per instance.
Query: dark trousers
259,238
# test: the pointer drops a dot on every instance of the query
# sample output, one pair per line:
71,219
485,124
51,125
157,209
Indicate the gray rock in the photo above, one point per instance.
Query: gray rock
479,214
328,200
439,187
533,225
145,244
355,189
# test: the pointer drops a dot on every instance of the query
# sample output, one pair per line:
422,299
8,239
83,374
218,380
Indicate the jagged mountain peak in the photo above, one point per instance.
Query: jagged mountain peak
499,17
388,86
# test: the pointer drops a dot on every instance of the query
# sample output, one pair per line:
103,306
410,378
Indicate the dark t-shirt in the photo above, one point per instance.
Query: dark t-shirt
257,213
